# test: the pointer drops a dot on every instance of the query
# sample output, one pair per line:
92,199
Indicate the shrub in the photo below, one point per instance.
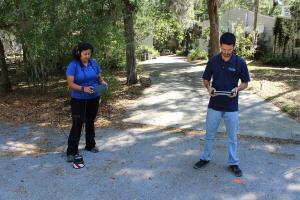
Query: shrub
153,52
180,53
113,85
197,53
275,60
113,59
140,51
244,46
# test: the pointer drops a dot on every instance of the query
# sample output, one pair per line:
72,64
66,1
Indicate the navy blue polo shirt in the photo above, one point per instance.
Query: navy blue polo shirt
84,76
225,76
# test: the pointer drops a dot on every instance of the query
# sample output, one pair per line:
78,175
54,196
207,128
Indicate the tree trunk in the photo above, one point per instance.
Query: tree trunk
275,3
254,42
187,42
130,42
286,39
214,48
256,4
274,44
5,83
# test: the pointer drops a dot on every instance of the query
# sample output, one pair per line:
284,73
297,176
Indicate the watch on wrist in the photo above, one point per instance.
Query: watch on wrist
82,89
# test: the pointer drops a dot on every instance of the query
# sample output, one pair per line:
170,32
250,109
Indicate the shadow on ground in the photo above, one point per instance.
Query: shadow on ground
152,164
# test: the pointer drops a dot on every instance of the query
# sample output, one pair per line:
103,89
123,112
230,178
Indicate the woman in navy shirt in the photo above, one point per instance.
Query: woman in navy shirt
83,76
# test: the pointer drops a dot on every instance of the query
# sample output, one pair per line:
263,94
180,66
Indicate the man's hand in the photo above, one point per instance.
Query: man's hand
234,92
211,91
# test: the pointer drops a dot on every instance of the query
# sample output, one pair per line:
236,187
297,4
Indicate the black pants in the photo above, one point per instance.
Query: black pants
83,111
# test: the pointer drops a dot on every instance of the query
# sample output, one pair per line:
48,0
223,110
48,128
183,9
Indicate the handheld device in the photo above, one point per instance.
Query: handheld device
100,88
224,93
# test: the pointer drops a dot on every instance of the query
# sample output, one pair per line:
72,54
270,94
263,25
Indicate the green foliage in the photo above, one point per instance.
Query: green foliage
153,52
265,6
166,27
48,32
158,21
205,34
285,32
274,60
140,53
144,23
295,11
282,30
244,43
197,54
140,69
201,11
113,86
180,53
290,109
142,50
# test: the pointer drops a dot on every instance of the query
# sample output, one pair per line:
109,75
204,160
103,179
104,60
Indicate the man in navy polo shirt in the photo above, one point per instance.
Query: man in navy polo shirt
225,69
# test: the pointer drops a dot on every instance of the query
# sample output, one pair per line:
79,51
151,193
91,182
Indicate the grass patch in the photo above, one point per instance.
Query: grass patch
291,109
281,86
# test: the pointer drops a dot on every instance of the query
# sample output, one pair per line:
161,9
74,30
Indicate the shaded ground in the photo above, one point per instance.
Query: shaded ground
143,163
138,161
281,86
178,99
26,105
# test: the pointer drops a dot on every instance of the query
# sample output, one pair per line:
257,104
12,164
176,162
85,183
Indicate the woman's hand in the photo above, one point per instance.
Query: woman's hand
88,89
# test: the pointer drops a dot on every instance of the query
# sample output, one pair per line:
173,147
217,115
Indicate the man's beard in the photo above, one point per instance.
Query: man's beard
226,55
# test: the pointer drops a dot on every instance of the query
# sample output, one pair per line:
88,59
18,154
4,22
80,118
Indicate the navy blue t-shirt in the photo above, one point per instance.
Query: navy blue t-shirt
84,76
226,76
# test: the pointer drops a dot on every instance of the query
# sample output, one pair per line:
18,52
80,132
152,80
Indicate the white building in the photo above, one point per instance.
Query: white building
242,17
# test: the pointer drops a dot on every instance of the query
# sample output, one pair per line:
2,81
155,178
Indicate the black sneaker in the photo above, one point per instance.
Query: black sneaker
78,162
236,170
200,163
93,150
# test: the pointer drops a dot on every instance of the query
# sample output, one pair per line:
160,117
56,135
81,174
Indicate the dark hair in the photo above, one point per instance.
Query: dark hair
227,38
81,47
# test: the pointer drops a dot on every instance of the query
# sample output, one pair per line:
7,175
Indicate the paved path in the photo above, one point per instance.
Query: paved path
151,163
142,164
178,99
